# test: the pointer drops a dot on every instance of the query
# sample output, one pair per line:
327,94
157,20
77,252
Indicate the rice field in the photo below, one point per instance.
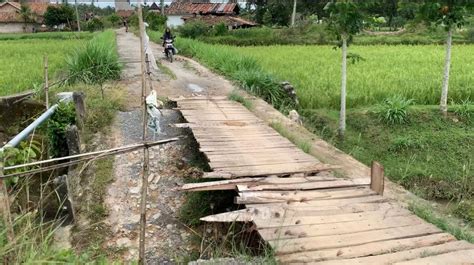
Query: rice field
415,72
21,59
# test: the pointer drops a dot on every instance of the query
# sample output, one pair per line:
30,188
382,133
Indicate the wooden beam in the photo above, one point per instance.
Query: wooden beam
377,177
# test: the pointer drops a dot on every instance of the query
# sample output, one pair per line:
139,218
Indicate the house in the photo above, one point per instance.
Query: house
155,8
11,20
124,8
231,22
178,11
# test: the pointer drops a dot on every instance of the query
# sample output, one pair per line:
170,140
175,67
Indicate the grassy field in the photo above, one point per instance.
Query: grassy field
415,72
21,63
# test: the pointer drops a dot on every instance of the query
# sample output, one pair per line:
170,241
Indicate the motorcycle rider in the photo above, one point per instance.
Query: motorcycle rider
168,36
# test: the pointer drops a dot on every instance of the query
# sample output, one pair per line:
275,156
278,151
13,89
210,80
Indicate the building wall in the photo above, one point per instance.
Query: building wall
7,9
15,28
174,21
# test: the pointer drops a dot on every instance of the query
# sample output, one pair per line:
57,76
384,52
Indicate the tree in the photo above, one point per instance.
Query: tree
451,15
57,15
345,20
293,14
26,15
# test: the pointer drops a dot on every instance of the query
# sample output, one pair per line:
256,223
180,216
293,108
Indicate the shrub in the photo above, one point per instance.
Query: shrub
96,62
194,30
63,116
94,24
155,21
465,111
394,110
469,34
220,29
114,19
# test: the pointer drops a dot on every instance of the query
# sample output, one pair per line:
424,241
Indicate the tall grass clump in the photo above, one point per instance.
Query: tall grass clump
96,62
394,110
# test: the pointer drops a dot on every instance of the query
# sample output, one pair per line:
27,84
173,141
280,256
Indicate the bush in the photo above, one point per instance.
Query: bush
57,15
114,20
394,110
194,30
96,62
469,34
220,29
63,116
155,21
94,24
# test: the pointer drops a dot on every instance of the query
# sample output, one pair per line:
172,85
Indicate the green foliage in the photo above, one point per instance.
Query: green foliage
445,12
235,96
156,21
194,30
94,24
465,111
64,116
21,62
394,110
57,15
27,152
220,29
114,20
387,71
96,62
345,18
465,210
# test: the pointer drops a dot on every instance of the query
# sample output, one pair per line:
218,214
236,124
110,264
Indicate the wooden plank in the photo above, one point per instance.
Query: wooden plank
377,177
262,165
321,203
253,197
337,228
456,257
212,185
300,186
267,171
406,255
345,240
375,248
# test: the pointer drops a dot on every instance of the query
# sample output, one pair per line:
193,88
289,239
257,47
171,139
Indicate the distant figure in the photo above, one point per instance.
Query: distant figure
167,35
125,24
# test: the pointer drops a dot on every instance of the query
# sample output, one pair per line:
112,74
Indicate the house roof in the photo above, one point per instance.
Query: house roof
227,20
177,8
154,6
37,9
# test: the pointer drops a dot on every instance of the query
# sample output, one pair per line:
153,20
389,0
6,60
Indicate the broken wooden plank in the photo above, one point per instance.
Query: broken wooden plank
269,170
375,248
300,186
286,246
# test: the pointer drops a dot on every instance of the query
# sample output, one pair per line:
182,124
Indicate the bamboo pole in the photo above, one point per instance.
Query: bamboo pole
46,85
7,218
145,171
81,158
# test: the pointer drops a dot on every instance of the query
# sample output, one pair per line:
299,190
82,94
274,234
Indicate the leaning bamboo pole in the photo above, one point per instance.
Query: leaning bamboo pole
145,170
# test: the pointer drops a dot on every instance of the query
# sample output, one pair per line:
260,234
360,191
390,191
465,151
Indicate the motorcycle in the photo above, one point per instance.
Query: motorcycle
169,49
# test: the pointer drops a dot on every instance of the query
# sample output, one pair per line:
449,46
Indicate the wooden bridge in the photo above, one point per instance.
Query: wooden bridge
302,210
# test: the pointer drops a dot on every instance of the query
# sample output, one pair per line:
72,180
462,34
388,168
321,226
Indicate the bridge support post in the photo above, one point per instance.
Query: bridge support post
377,177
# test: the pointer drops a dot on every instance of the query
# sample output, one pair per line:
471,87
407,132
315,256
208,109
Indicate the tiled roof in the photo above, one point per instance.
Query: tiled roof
227,20
201,8
38,10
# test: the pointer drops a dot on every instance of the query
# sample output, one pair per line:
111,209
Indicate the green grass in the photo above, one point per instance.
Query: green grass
21,63
235,96
413,72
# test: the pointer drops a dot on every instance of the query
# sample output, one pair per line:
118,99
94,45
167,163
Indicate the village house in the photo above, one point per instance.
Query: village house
178,12
12,20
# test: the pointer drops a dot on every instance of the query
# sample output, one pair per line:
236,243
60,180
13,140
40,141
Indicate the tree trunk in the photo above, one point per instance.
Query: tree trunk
162,7
447,65
293,16
342,114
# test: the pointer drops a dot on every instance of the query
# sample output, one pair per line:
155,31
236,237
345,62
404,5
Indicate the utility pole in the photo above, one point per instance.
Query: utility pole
162,7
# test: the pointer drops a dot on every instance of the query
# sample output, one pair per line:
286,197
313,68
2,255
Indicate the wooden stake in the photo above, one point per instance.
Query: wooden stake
46,85
145,172
377,177
7,218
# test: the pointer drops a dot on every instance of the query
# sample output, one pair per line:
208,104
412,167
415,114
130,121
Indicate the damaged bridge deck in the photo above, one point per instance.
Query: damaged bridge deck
306,216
